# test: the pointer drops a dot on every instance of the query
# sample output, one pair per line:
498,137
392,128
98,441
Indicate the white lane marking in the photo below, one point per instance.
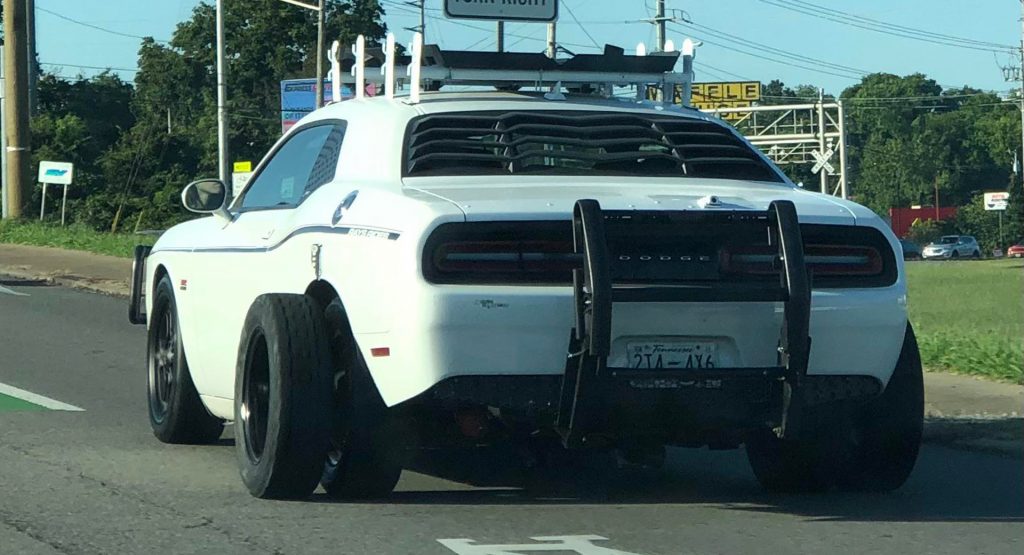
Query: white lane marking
583,545
35,399
12,292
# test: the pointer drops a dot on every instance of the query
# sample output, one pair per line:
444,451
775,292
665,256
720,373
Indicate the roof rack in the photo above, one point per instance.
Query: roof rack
428,67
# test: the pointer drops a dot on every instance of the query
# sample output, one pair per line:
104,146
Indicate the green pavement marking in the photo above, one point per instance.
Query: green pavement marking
10,404
13,398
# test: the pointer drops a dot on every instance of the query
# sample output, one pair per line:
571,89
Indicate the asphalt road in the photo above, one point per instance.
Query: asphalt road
98,481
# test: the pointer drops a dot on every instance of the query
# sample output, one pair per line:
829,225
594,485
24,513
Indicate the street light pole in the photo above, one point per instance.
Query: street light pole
222,103
318,7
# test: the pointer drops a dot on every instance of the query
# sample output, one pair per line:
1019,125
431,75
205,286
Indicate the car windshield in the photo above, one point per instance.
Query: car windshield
950,240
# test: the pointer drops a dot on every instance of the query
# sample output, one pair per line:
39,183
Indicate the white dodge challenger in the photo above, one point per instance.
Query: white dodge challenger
513,267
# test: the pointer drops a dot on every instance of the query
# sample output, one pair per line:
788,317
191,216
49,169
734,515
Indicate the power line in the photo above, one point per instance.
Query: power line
582,28
849,76
96,27
888,29
913,30
53,64
791,55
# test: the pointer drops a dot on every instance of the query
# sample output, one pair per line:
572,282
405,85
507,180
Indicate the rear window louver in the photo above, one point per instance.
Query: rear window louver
578,143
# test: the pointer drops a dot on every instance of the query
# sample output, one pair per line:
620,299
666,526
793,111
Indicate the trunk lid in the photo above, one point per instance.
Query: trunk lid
545,198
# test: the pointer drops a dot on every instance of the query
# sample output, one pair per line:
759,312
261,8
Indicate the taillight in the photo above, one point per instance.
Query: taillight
505,260
821,260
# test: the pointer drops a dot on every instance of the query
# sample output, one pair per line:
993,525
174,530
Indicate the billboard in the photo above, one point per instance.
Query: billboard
997,201
512,10
725,94
298,98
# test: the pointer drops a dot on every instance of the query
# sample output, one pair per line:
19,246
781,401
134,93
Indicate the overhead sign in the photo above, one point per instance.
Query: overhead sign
56,173
517,10
711,96
997,201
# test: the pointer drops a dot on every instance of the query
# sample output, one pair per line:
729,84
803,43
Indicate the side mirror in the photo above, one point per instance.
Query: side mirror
206,196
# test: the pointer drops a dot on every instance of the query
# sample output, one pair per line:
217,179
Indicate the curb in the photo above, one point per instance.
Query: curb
104,287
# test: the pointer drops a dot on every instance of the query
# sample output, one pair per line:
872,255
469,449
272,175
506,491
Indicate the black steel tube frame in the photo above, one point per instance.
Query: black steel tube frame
137,297
588,381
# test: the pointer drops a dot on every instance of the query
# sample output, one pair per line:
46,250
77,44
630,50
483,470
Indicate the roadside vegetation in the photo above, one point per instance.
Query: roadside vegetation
969,316
76,237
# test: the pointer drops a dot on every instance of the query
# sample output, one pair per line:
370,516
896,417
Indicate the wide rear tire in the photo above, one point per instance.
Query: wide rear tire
283,405
175,412
867,447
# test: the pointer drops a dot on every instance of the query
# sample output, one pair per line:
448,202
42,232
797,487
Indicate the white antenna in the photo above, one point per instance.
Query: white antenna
689,53
334,55
389,66
641,49
359,70
416,49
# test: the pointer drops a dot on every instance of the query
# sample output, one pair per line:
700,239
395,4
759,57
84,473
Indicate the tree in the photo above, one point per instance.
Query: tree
267,41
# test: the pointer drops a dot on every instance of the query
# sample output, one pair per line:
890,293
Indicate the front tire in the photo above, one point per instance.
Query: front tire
283,406
176,413
870,447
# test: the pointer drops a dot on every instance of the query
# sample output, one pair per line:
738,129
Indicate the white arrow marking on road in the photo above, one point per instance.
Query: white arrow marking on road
12,292
583,545
45,402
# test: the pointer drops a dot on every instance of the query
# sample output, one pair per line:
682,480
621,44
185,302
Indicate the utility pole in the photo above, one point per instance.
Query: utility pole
222,103
320,55
16,109
33,68
659,21
1021,93
553,39
421,5
501,36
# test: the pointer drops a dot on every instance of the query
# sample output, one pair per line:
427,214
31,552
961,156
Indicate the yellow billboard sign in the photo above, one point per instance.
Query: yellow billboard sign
709,96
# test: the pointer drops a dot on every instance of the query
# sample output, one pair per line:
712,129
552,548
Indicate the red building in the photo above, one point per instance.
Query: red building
901,218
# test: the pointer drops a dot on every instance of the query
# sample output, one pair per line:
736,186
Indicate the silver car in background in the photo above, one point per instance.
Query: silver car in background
952,246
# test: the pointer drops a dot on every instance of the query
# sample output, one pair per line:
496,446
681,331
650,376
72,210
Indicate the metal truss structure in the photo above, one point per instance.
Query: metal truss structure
810,133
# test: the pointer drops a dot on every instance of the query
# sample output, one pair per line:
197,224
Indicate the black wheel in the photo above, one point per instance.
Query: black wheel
977,254
955,254
175,412
283,405
870,447
364,460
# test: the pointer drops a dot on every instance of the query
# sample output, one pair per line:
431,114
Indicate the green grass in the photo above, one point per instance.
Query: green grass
74,237
969,316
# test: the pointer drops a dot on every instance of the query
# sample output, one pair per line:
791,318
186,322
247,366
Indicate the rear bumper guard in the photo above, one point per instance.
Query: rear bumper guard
591,389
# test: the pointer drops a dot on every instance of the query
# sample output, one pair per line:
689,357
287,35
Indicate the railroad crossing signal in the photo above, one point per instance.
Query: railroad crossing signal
823,161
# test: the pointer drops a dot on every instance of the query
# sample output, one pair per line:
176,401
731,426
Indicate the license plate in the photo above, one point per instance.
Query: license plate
671,356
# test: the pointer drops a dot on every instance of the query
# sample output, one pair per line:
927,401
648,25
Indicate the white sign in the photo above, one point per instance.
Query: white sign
997,201
522,10
822,161
56,173
582,545
238,182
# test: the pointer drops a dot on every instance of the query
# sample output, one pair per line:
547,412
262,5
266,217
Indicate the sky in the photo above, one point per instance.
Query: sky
743,39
